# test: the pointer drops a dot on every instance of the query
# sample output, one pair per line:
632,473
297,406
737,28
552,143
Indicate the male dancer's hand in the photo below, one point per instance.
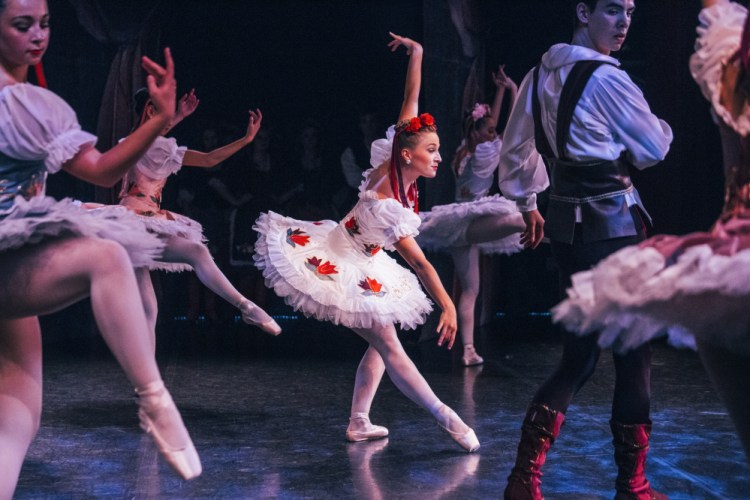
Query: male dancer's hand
534,232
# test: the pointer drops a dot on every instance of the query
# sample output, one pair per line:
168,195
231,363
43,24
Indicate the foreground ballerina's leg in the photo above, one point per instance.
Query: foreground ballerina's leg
70,274
197,255
20,395
412,384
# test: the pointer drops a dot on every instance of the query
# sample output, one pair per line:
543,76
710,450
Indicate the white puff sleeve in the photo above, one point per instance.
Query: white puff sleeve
162,159
398,222
486,158
719,31
36,124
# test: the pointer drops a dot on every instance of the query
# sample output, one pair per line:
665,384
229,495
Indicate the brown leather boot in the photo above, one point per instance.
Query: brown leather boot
631,446
539,430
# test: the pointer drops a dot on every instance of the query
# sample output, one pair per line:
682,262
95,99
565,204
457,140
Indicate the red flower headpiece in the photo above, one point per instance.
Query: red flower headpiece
415,124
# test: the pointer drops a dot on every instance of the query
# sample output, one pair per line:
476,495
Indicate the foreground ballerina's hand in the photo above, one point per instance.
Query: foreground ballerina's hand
161,82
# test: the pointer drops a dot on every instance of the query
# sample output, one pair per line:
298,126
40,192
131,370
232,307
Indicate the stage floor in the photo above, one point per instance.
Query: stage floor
268,417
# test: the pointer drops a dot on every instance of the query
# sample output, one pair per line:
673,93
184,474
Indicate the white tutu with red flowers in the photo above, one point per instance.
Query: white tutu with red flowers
339,272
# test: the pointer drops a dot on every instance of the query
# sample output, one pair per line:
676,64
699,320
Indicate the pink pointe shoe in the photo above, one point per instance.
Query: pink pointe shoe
254,315
470,357
466,438
361,429
161,420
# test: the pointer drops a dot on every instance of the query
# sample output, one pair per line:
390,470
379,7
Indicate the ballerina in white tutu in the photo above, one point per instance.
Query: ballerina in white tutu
185,248
695,286
476,223
337,271
54,253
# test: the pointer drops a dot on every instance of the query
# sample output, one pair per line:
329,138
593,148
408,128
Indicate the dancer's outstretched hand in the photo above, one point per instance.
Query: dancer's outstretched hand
447,327
502,80
253,124
409,44
162,87
187,104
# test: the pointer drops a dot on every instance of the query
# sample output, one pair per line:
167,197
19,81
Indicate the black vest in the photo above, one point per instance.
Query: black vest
598,187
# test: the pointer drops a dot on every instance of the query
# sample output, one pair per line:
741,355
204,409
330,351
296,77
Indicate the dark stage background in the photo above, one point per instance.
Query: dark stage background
323,62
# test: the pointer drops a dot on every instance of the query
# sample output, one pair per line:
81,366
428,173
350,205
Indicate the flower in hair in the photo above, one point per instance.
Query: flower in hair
415,124
480,111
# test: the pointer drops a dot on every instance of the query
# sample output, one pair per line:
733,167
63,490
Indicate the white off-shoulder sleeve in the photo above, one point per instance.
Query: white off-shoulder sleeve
380,150
521,172
36,124
162,159
719,31
486,157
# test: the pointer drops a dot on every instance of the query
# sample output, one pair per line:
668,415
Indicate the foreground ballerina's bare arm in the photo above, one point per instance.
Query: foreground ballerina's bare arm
105,169
413,255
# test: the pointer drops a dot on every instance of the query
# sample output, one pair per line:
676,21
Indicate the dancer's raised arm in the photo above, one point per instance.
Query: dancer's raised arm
410,106
503,82
218,155
105,169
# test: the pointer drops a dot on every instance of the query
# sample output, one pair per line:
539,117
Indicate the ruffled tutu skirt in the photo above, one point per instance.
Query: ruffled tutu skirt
31,221
317,270
175,225
445,226
696,285
162,224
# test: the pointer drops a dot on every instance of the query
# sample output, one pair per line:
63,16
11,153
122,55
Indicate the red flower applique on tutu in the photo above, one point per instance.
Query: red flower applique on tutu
297,237
322,270
371,287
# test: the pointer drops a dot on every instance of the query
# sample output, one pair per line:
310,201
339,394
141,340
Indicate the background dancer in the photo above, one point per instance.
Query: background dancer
476,223
185,248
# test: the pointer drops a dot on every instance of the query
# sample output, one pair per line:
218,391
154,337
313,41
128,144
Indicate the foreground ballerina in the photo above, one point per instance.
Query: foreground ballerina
184,241
54,253
698,284
337,272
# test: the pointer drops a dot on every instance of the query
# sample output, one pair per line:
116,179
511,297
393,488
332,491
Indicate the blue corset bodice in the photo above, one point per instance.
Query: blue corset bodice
20,178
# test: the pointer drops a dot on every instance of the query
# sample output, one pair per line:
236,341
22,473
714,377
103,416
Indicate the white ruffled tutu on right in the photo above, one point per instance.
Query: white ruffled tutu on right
637,294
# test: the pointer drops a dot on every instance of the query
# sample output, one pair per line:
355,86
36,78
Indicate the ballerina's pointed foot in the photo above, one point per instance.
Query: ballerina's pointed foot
461,433
361,429
161,420
254,315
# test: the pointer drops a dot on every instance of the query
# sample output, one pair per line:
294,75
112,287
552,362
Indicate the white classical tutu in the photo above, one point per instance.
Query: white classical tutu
319,271
445,225
31,221
635,295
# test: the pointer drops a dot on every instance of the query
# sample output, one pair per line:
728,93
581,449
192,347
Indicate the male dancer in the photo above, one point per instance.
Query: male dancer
589,122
